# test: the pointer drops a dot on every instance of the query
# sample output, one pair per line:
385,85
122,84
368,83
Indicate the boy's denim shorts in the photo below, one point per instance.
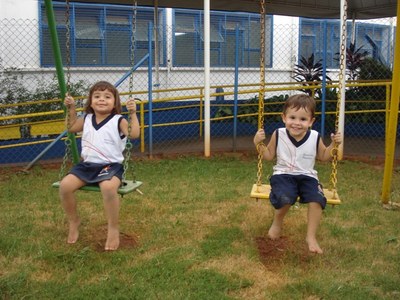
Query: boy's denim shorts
286,189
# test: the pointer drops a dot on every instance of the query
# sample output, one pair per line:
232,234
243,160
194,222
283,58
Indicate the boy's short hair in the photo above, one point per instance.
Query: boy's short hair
102,86
301,101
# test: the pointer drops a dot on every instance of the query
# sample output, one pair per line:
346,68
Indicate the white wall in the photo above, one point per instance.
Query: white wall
20,30
19,9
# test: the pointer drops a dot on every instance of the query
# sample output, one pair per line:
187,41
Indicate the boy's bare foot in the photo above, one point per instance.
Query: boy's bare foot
313,246
73,232
112,242
274,232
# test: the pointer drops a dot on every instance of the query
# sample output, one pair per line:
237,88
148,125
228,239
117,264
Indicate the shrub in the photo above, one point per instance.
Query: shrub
13,90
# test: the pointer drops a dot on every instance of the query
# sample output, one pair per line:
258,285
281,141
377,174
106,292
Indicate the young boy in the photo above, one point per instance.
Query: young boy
296,147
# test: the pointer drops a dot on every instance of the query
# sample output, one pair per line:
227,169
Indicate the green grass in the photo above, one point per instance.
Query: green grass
194,235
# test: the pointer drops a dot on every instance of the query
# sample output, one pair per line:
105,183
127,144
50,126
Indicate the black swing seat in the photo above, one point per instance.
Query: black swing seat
126,187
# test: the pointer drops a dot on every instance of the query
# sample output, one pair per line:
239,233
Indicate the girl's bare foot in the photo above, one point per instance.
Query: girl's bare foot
313,246
112,242
73,232
274,232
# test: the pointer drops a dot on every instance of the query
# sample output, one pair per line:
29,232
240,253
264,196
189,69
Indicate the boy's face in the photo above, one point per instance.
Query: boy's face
297,122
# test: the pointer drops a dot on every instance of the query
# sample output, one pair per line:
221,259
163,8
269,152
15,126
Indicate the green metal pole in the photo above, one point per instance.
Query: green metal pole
393,117
60,70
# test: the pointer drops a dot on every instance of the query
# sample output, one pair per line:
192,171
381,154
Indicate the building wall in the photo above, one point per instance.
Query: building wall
22,51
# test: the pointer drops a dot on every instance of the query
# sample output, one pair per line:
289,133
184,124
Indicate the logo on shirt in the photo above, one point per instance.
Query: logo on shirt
104,171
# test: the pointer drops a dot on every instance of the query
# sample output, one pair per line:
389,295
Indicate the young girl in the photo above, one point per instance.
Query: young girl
296,147
104,135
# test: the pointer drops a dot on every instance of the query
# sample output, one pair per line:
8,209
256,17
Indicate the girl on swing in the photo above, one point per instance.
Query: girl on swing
104,135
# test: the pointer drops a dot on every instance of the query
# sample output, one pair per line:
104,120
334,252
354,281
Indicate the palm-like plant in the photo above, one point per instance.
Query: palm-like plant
308,71
354,59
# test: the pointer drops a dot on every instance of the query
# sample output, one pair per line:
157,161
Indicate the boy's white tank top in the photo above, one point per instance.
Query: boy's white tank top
296,158
102,143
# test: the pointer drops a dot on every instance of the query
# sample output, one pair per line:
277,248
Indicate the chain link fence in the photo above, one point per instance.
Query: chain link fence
171,91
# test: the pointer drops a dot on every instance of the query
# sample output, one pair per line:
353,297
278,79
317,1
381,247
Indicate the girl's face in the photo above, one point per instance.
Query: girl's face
102,102
297,122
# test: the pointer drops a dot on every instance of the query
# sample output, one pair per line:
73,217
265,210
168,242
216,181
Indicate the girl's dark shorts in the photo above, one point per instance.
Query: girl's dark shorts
94,173
285,189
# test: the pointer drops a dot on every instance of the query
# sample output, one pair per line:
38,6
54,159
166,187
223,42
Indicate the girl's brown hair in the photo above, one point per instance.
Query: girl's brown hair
300,101
102,86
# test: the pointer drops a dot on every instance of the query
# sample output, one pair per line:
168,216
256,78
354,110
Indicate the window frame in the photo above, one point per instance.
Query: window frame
333,41
219,48
101,13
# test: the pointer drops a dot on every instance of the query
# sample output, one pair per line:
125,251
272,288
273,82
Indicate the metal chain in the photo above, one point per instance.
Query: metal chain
133,46
68,43
67,142
67,155
129,146
333,178
128,151
261,90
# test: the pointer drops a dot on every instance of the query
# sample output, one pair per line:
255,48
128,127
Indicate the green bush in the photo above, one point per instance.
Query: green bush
372,69
13,90
250,107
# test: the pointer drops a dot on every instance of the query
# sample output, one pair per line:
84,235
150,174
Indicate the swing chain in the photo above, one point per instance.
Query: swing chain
128,151
262,67
67,142
129,145
68,43
67,155
260,148
133,46
334,152
261,90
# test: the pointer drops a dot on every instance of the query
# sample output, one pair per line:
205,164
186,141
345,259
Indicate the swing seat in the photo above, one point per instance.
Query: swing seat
262,192
126,187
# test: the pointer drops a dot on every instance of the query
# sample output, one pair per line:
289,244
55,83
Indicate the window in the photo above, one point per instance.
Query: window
188,39
100,35
373,38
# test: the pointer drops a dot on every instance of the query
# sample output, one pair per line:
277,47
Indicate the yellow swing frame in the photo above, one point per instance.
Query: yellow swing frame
260,190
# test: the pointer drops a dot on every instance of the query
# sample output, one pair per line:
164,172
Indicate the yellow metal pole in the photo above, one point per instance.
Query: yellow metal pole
393,116
387,113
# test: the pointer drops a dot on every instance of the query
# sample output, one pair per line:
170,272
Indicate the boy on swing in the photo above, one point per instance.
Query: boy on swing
296,147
